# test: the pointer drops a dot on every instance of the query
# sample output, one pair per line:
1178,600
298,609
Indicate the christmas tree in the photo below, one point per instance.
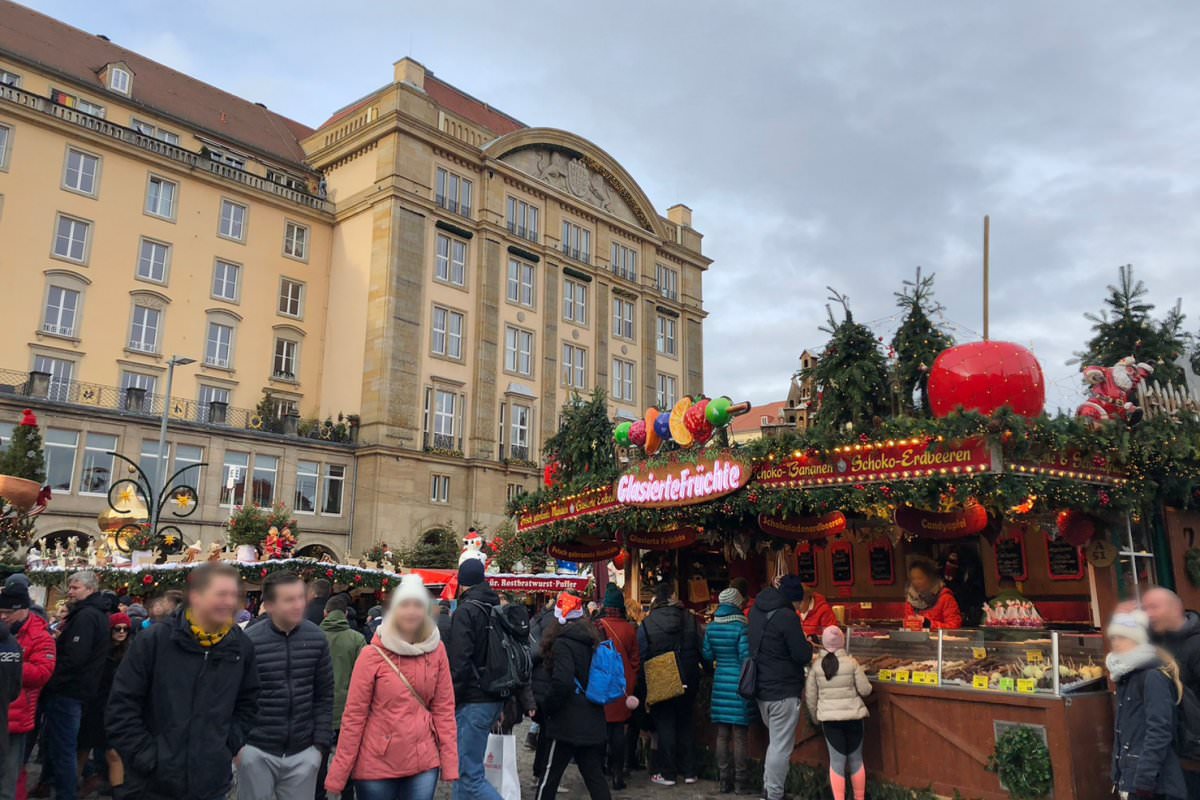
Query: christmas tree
1125,327
851,375
24,457
582,448
917,343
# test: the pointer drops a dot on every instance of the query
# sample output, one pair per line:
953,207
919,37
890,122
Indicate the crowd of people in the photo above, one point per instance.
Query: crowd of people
195,697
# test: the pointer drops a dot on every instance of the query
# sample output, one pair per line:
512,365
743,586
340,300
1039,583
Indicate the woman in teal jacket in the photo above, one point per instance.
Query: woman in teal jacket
727,642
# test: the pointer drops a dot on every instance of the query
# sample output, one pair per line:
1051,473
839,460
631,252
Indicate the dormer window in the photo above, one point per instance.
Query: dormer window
120,79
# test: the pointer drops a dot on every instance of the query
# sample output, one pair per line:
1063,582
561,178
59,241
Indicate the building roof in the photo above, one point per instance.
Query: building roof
55,47
752,420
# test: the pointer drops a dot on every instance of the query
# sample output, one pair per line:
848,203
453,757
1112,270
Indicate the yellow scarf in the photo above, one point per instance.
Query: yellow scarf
203,637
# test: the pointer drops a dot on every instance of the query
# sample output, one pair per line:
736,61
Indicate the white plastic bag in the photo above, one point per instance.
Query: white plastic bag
500,766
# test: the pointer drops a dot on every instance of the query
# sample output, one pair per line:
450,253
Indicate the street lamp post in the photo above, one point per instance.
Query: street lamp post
160,475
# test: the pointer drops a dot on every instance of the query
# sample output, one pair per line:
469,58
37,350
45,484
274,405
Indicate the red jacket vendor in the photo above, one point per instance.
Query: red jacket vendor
930,604
816,614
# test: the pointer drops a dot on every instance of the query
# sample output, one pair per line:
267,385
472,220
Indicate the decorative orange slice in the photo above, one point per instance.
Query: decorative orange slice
652,439
679,431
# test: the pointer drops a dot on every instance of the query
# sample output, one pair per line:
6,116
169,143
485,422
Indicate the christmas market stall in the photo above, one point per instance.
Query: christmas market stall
1031,521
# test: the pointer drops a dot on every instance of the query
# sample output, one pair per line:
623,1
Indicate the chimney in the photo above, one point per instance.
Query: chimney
410,72
680,214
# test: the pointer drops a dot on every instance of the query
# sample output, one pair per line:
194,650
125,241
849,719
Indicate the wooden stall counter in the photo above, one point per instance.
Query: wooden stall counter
942,738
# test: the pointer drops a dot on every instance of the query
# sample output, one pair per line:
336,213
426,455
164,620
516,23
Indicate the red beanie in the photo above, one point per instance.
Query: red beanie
119,618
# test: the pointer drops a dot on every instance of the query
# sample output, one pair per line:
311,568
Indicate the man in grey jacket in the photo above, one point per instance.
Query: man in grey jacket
292,734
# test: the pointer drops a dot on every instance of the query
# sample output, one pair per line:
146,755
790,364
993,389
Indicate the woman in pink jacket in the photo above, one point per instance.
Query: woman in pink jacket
398,733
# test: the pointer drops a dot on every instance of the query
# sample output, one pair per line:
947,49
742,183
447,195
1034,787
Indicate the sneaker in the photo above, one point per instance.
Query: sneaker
690,781
661,781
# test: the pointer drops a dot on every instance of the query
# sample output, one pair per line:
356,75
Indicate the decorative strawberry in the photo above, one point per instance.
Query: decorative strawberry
697,422
637,433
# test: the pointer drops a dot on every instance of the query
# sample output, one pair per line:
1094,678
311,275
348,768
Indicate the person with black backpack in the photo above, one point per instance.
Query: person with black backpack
1145,765
574,723
1177,630
489,660
671,628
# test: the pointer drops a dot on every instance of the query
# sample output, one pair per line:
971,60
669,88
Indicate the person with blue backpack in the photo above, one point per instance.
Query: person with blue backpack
727,644
581,676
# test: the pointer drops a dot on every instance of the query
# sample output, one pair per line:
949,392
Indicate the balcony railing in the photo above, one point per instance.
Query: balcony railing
443,442
453,206
58,330
576,254
138,402
518,452
529,234
216,361
667,290
151,144
143,347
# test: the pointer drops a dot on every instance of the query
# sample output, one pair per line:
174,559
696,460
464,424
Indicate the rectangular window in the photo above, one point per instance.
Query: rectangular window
71,238
97,473
5,137
119,80
307,474
335,481
265,469
218,347
295,241
522,219
450,265
667,281
286,352
144,388
285,407
225,281
291,298
210,395
667,394
233,478
513,491
519,438
9,79
152,261
444,417
188,457
623,381
518,351
225,157
520,283
61,373
62,309
623,318
146,129
666,335
575,302
453,192
82,171
160,197
60,447
574,366
439,489
143,333
624,262
233,220
447,332
576,242
59,97
149,460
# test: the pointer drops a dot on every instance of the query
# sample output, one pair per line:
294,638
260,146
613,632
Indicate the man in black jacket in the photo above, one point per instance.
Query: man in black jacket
80,652
185,695
11,679
319,592
671,628
1177,631
781,654
294,729
477,710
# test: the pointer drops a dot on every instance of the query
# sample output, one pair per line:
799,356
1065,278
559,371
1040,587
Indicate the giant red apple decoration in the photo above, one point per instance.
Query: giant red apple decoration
984,376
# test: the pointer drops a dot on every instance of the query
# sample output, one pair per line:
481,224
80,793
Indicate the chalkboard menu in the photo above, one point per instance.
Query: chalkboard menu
1010,558
806,565
841,561
883,566
1066,560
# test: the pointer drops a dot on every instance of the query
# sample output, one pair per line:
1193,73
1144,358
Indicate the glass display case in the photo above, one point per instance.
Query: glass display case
1024,661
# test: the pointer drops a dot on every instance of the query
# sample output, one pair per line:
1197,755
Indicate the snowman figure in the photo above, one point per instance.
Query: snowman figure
472,548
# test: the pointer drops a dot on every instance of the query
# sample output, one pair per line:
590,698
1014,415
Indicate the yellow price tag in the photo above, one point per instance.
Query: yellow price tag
1026,685
1035,657
918,678
902,676
979,653
980,682
931,679
886,675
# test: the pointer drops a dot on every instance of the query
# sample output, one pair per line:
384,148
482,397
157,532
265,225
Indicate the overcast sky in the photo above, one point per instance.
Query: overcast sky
818,143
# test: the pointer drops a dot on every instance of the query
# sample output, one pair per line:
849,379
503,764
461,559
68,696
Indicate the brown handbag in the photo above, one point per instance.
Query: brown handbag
663,679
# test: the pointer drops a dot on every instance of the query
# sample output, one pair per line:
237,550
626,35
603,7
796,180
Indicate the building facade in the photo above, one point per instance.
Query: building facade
436,271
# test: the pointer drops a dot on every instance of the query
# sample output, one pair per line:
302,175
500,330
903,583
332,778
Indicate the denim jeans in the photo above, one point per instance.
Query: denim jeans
475,721
421,786
62,735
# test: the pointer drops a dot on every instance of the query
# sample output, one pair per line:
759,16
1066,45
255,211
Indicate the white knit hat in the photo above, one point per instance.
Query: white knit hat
1133,625
411,588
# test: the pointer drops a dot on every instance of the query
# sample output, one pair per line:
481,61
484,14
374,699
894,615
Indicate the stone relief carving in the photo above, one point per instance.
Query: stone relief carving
571,174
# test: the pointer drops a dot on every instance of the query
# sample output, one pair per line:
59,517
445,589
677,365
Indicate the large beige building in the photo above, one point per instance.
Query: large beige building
430,267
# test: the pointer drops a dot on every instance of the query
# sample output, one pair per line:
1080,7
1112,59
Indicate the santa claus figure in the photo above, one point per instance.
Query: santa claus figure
473,547
1110,389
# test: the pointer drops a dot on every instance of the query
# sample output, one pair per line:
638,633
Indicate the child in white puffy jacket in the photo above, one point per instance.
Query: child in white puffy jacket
836,687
